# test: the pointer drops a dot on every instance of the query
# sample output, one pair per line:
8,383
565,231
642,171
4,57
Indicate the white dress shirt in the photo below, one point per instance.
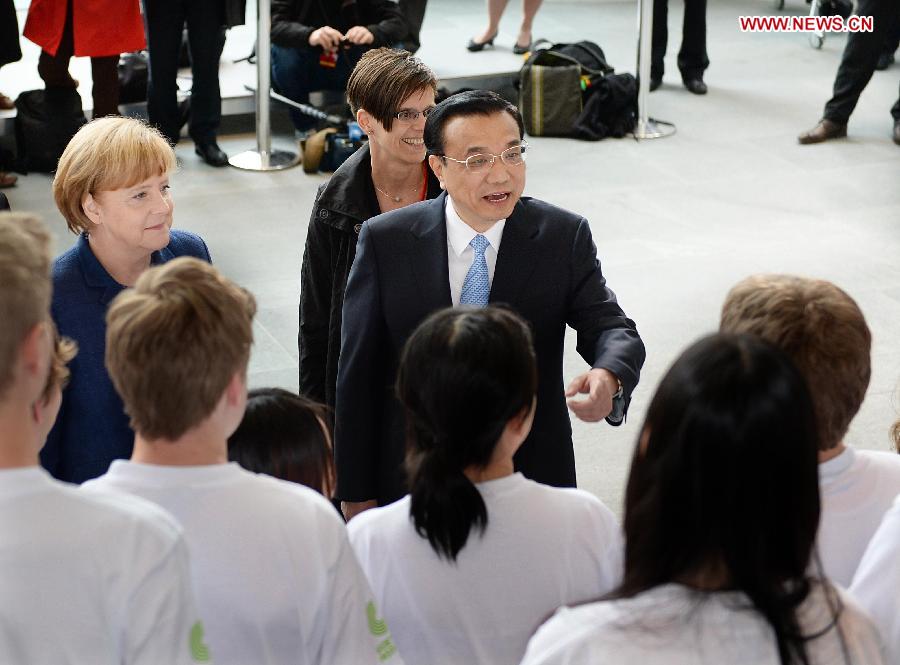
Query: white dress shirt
460,255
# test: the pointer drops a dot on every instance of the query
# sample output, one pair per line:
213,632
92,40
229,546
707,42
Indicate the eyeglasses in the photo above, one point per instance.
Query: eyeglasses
407,115
514,156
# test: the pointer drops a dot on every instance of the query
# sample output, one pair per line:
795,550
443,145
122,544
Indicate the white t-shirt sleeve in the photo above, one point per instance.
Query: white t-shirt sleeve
161,623
597,532
612,545
555,642
354,631
876,585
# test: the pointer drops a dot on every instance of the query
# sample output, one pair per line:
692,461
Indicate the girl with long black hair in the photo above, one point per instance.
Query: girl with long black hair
721,512
468,564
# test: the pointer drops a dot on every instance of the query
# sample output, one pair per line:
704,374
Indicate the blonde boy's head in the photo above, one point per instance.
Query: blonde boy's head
173,344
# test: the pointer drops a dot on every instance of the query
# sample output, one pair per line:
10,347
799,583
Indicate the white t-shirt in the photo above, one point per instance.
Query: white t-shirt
275,577
543,547
877,582
89,579
674,625
857,488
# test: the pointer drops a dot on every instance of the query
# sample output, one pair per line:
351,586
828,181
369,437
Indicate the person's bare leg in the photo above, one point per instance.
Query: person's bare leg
495,11
529,10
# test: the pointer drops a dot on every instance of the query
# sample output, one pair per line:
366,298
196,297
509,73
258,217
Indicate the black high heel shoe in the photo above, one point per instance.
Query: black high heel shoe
521,50
474,46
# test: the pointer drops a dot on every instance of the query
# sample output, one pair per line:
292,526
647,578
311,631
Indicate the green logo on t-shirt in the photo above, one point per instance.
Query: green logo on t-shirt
199,651
385,648
376,626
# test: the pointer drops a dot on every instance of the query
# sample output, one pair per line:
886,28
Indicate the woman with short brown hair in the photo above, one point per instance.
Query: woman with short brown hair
390,93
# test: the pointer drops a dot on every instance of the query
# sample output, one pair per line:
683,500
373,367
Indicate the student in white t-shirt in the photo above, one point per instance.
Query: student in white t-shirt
824,332
468,564
721,511
275,577
85,579
877,582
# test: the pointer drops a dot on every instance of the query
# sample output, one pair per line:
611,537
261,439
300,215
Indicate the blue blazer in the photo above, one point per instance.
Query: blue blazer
92,429
547,271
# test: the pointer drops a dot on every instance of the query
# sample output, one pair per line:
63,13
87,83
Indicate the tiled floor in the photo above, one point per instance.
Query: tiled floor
677,221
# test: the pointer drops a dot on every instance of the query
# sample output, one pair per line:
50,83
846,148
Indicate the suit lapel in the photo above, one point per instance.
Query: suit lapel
517,257
429,255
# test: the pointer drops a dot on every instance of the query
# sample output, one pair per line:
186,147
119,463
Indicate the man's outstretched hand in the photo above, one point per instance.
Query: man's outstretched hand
600,385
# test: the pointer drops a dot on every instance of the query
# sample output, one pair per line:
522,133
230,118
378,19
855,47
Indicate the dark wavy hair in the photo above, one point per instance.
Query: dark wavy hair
724,482
464,374
284,435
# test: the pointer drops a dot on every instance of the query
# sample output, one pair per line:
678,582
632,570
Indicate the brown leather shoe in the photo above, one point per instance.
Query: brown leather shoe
7,180
6,103
824,131
897,131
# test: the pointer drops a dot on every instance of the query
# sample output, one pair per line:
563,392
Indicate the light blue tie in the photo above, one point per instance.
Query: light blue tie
477,287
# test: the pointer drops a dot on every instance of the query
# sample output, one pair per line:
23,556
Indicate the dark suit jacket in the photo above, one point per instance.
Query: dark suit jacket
92,428
547,270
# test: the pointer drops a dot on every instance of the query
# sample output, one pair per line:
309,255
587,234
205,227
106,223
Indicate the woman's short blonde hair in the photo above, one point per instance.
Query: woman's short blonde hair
106,154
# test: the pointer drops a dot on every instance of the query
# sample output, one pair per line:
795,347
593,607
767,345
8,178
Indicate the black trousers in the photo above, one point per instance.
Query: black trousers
414,13
692,58
164,20
892,39
54,71
859,60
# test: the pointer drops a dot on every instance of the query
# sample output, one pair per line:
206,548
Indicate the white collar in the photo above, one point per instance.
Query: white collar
460,234
837,464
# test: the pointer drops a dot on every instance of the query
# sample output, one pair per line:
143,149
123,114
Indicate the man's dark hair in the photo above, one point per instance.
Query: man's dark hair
724,482
464,374
471,102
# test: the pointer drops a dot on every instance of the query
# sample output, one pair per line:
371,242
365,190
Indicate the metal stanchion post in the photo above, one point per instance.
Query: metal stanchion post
264,158
647,127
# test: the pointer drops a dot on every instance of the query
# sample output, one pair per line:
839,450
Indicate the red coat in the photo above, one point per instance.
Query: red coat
100,27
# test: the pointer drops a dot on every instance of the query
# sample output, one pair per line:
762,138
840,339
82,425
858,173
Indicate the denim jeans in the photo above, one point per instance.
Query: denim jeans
297,72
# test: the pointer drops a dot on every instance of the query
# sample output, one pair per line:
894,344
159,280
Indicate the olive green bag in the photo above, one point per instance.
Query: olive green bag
552,83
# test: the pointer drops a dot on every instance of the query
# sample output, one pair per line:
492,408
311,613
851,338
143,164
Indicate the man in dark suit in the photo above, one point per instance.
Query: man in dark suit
478,243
